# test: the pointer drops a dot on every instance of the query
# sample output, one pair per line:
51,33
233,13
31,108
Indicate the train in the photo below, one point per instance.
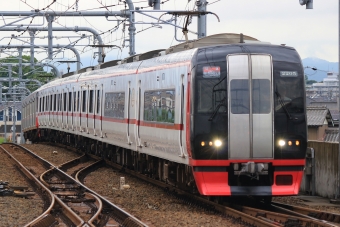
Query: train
223,116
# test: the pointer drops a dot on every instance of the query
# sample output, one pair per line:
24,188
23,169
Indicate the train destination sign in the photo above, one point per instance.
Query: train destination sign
211,71
288,74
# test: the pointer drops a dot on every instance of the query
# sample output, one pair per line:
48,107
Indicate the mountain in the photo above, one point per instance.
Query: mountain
322,67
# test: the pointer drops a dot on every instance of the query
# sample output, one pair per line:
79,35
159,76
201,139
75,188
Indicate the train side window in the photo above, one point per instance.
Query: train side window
98,101
50,100
78,101
64,100
159,106
69,101
55,102
43,104
84,101
74,101
114,104
91,101
60,102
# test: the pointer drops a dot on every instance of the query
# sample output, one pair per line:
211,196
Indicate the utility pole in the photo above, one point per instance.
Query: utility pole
32,47
201,19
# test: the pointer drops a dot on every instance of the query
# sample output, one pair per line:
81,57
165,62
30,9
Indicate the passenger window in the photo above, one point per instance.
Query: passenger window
69,101
98,101
91,101
114,104
84,101
159,106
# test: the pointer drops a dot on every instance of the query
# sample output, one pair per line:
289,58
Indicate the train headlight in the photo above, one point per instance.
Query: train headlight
297,143
290,143
202,143
282,143
218,143
210,143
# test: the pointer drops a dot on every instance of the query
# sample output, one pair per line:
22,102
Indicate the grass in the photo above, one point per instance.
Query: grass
2,140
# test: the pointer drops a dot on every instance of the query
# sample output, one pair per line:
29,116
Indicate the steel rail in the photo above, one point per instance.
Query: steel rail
41,186
121,215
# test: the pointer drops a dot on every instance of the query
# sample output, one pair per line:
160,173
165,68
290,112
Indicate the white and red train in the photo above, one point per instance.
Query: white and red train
227,120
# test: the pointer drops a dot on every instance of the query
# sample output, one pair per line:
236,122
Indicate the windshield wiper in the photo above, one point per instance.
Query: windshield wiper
283,105
216,110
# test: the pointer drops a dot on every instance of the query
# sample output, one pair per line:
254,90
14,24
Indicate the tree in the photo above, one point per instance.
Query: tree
37,73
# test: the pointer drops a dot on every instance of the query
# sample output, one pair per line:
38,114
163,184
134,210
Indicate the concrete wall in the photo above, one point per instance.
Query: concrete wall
326,168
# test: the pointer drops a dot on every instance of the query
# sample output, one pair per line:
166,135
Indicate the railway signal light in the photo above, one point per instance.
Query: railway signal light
308,3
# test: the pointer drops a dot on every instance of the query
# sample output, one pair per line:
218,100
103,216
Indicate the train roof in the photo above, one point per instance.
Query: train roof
178,53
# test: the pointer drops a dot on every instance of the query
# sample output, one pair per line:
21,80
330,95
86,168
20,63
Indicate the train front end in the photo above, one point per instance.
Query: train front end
248,120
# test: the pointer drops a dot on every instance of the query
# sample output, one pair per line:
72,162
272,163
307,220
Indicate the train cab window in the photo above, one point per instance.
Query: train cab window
91,101
288,93
159,106
50,101
211,88
84,101
114,104
69,101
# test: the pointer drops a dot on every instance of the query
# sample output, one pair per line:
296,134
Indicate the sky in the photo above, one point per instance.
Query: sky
312,32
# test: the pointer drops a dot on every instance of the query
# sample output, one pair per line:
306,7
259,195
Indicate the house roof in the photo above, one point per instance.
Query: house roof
335,114
316,116
332,135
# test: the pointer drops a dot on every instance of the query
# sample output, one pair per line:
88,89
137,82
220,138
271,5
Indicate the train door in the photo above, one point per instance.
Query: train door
97,120
55,109
100,109
60,109
84,113
69,109
73,105
138,114
129,113
182,154
90,110
63,109
250,92
49,108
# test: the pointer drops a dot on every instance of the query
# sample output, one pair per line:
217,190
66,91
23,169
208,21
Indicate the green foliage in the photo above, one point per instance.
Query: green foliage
27,73
2,140
310,82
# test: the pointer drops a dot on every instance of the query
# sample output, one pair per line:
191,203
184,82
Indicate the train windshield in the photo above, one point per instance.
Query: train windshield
211,88
289,95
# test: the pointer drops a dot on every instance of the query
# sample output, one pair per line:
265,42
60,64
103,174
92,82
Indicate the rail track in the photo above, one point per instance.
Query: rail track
69,201
249,215
274,215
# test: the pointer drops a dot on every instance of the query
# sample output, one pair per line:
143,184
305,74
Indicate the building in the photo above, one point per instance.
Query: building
328,89
319,119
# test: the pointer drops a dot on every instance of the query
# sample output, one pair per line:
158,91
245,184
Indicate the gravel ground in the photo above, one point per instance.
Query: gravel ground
151,204
16,211
47,152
